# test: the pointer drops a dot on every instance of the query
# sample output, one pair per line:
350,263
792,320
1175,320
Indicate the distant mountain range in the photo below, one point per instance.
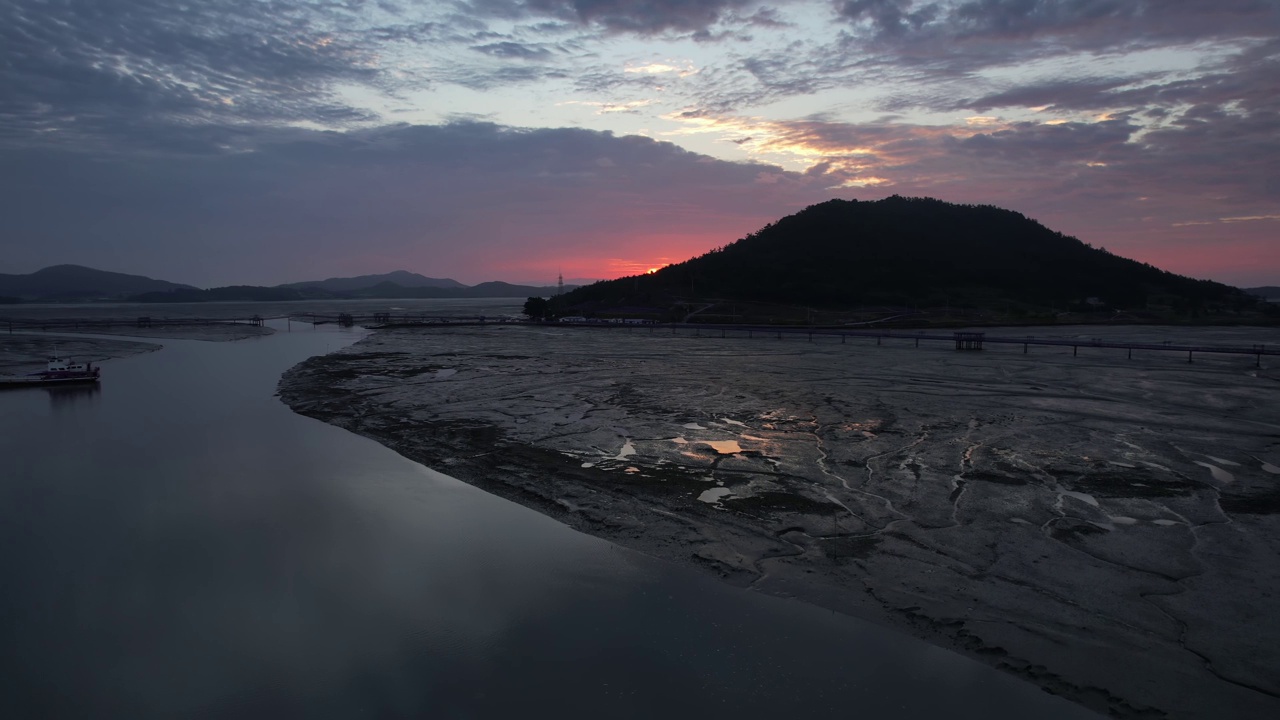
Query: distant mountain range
1270,292
909,253
74,283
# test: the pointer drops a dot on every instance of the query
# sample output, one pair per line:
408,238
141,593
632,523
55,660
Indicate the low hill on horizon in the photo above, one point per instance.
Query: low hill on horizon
912,253
72,283
402,278
382,291
1270,292
76,283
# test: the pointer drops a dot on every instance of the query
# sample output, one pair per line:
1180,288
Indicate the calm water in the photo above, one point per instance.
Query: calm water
180,544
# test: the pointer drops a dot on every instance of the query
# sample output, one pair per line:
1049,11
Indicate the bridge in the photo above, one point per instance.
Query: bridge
965,341
388,320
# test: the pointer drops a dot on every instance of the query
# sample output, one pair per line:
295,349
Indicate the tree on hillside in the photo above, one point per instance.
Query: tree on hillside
536,308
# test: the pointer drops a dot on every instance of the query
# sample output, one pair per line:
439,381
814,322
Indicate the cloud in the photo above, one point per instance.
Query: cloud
97,68
1091,24
515,50
471,200
1109,180
644,17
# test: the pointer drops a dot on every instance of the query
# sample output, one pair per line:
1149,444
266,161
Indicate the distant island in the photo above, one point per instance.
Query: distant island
75,283
910,260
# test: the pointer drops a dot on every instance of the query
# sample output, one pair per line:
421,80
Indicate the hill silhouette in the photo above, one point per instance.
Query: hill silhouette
400,278
383,290
76,282
916,252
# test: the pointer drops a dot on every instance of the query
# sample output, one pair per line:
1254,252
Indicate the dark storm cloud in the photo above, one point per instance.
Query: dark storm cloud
1065,94
641,16
889,17
942,48
1084,24
461,199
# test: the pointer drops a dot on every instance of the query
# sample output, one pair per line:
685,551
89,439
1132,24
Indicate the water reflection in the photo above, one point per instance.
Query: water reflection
65,398
199,550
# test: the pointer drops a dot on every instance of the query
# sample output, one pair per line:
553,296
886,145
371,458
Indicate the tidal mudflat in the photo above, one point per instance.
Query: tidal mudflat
1105,528
25,353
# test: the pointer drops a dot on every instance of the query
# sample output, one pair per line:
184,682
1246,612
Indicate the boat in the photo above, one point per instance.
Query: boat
59,371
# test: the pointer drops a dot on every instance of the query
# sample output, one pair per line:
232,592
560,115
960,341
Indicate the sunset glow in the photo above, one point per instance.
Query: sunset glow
621,138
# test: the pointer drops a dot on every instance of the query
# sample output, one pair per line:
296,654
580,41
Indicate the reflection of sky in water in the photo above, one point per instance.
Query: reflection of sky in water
724,447
715,495
1218,473
209,552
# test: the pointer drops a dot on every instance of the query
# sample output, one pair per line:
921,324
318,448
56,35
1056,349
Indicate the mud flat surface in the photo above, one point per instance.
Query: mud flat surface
1107,529
21,354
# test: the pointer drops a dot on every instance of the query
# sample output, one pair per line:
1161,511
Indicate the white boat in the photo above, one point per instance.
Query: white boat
59,371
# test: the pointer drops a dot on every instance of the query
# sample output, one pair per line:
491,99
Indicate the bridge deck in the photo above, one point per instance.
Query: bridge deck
967,339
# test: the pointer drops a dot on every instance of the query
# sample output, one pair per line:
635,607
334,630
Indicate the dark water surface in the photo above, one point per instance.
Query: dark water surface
180,544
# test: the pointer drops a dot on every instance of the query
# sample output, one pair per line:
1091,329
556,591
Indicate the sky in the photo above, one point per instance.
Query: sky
260,142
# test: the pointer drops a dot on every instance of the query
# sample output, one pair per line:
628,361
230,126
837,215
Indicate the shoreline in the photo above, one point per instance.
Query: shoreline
1011,526
28,351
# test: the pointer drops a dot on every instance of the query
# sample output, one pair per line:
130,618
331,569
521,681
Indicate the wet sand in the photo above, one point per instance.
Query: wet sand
1104,528
25,353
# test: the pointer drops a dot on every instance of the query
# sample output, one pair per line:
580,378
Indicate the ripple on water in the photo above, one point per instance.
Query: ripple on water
1268,467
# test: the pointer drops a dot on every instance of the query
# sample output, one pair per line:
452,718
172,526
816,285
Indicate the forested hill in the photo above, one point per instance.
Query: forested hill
915,252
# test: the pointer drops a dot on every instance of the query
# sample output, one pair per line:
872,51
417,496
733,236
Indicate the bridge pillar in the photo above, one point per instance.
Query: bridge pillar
969,340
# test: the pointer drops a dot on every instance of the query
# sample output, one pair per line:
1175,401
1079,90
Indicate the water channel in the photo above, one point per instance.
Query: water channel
178,543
